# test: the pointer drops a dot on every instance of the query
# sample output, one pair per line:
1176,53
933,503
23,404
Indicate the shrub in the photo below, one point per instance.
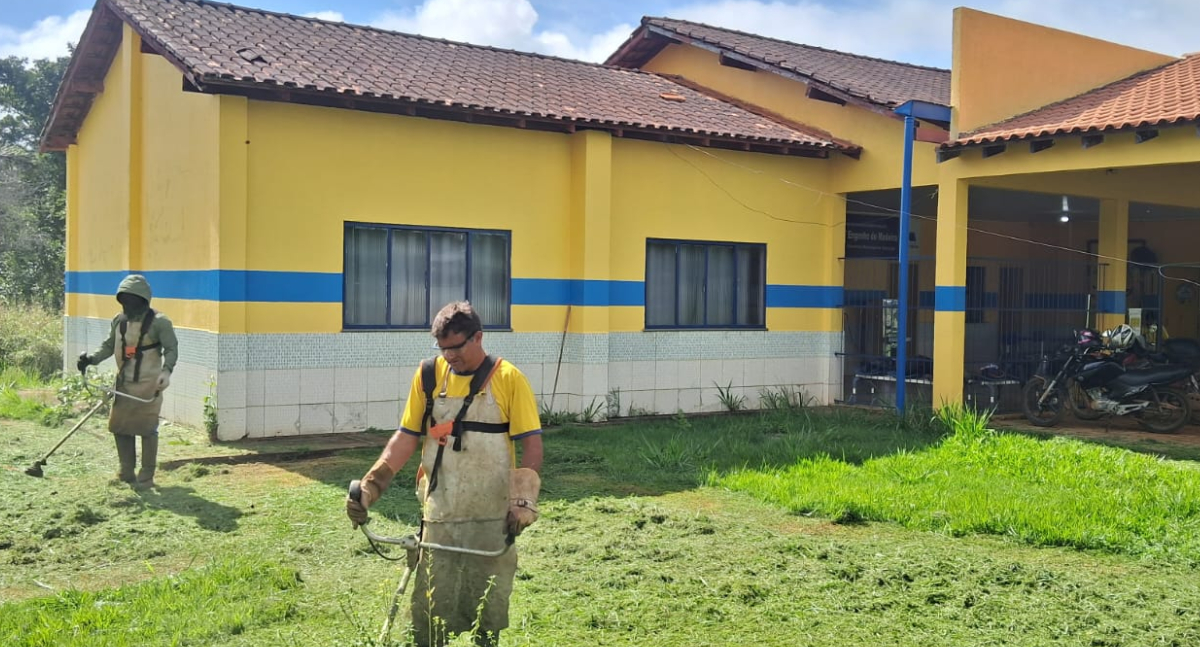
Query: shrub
31,339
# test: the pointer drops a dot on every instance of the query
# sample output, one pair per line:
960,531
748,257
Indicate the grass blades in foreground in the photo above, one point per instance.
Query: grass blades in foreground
632,548
207,605
1055,492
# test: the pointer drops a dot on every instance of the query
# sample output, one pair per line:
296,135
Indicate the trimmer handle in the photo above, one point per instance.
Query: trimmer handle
355,492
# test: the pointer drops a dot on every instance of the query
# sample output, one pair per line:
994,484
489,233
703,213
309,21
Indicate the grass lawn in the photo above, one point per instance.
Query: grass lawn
788,528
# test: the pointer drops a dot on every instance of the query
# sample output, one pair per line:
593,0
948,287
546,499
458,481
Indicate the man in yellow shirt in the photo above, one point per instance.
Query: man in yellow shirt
472,494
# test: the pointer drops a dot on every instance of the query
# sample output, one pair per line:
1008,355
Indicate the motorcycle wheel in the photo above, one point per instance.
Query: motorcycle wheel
1080,404
1170,411
1048,413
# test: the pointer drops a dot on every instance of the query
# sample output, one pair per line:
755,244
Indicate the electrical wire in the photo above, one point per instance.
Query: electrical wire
890,213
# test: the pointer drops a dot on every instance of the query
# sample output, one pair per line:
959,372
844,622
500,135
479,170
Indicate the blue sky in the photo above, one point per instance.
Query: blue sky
914,31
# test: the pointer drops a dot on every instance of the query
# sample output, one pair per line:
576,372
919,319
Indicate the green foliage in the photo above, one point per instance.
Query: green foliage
552,418
32,186
31,339
628,551
612,403
592,412
210,408
730,400
169,610
783,398
1045,493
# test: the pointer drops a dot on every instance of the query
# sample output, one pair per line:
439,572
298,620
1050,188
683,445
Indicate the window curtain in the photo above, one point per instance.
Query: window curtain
691,285
722,282
365,253
751,274
447,269
660,284
408,278
489,292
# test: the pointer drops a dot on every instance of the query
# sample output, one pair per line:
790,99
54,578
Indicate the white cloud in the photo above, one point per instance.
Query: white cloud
597,48
510,24
48,38
331,16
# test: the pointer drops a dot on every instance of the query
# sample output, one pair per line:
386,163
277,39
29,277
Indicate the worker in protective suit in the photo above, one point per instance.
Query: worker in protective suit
466,411
143,343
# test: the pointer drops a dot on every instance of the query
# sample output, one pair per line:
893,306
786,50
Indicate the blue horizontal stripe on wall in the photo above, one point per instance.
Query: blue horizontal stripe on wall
950,298
220,285
1111,302
326,287
804,296
577,292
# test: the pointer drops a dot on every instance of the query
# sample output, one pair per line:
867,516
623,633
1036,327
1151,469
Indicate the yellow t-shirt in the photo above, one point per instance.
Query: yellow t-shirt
508,385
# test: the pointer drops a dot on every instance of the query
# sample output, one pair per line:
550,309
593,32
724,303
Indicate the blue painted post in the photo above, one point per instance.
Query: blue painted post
910,129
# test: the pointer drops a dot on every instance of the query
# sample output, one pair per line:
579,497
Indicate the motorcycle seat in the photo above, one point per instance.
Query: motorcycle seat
1156,375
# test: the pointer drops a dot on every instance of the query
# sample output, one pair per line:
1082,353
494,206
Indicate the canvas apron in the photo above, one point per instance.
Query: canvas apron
467,509
130,417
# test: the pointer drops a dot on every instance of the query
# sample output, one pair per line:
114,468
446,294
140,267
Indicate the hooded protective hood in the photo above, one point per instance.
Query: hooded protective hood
136,284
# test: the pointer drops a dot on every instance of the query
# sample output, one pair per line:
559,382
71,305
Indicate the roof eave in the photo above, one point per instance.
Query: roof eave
980,141
669,35
483,115
92,57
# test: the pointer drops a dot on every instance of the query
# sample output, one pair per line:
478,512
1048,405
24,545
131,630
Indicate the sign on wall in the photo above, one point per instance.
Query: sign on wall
875,236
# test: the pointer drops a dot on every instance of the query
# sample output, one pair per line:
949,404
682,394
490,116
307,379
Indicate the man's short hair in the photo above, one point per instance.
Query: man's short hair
456,317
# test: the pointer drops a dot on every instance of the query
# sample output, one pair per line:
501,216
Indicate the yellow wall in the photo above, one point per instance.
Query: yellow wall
99,219
1004,67
881,136
179,176
144,137
680,192
312,169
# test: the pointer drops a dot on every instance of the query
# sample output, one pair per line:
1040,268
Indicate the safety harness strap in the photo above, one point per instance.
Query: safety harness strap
135,352
479,379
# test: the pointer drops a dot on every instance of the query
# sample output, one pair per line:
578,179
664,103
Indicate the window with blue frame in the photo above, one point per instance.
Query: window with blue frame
399,276
698,284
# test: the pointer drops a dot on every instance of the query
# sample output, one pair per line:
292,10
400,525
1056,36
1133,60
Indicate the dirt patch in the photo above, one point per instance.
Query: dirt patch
1123,430
284,450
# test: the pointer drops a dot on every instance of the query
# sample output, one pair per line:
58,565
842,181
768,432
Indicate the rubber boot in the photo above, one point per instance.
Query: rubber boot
127,455
145,477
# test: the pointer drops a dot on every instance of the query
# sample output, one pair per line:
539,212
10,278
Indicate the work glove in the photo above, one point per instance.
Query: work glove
84,362
373,485
164,380
523,487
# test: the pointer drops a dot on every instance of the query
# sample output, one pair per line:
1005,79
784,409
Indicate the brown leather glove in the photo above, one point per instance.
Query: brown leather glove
523,487
373,484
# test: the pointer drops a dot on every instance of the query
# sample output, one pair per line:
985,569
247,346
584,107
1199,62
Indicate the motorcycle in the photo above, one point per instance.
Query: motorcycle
1177,352
1091,382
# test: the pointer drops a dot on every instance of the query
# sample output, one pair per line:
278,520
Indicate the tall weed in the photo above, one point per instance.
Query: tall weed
31,339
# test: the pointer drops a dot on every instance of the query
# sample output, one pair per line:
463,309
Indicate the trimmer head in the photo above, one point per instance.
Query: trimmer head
36,469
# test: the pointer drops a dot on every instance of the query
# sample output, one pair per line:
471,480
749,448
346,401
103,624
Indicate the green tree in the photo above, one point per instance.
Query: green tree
32,185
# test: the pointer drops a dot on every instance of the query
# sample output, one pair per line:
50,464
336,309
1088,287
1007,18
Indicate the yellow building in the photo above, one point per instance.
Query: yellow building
709,210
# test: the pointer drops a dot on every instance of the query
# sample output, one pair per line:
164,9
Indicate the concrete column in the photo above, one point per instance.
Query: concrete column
1111,266
133,64
230,228
591,260
950,293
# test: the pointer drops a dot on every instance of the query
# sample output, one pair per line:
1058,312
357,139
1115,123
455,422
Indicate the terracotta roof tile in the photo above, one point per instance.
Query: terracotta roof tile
878,81
1160,97
221,46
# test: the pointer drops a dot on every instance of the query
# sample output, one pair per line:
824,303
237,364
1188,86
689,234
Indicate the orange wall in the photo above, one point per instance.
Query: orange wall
1004,67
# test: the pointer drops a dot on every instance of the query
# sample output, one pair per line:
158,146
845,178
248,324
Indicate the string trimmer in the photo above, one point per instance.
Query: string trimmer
411,544
36,468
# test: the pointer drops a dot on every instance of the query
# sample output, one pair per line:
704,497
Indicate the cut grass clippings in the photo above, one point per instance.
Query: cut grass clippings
633,547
